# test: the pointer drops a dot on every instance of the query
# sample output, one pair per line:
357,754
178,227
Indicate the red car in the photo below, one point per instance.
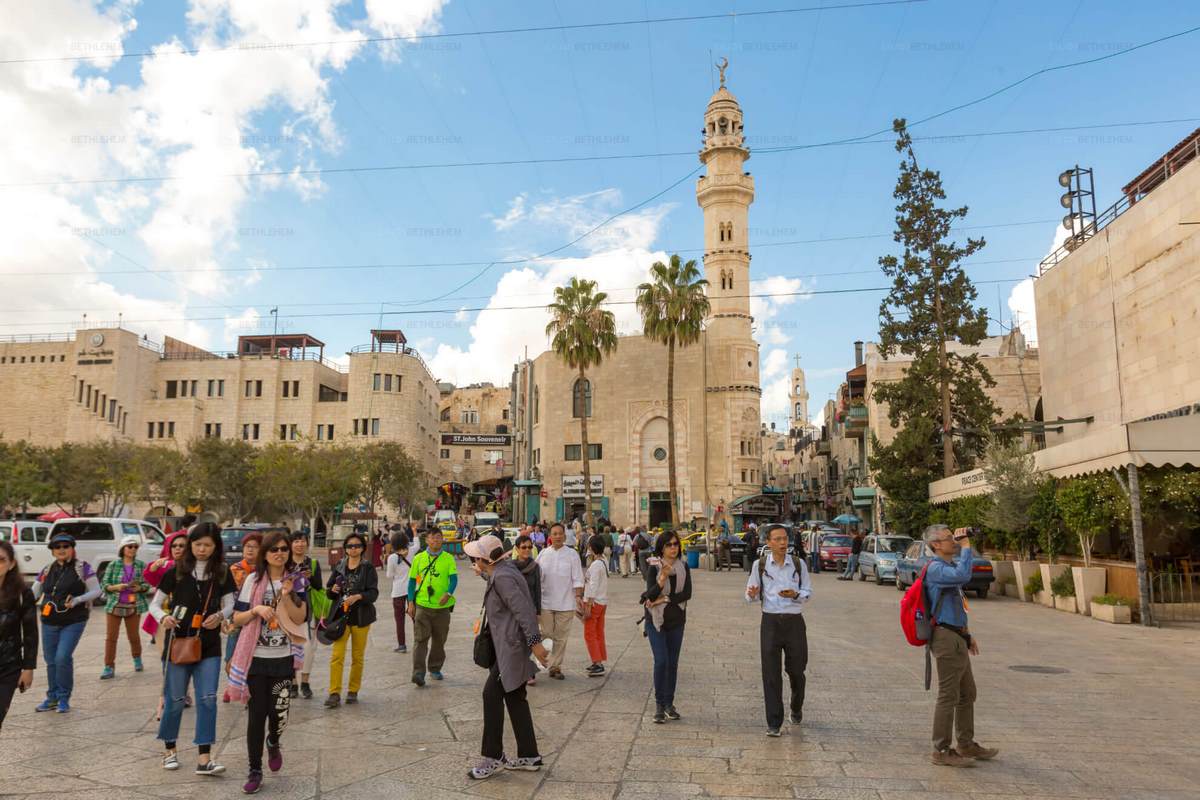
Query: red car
835,550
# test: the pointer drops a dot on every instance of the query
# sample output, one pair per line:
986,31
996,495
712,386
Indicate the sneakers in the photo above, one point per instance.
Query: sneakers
796,719
523,764
400,649
437,676
976,751
556,673
46,705
774,732
306,691
595,670
486,768
950,758
137,664
274,758
351,698
660,715
253,782
63,706
225,698
108,674
671,712
293,689
418,678
334,701
171,761
210,768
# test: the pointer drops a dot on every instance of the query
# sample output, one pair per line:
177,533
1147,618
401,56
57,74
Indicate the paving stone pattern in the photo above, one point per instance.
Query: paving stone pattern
1122,722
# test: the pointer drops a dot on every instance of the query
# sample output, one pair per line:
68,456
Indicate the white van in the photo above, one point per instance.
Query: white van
96,542
15,531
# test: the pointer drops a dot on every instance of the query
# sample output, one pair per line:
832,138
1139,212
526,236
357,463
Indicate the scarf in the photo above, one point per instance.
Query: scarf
656,611
243,653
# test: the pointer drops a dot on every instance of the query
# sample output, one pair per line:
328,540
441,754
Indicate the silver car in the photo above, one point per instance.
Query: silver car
878,556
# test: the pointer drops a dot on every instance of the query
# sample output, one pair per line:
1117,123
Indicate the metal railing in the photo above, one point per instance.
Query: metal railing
25,338
1162,171
388,347
1175,596
200,355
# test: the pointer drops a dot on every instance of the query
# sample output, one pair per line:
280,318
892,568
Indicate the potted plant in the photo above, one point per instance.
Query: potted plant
1089,582
1016,487
1063,590
1111,608
1034,588
1089,505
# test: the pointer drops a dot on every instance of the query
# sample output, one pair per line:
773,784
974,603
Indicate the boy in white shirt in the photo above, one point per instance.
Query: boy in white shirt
595,601
397,569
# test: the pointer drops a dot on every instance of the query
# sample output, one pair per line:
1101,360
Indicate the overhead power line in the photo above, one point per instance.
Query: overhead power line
519,162
535,307
419,37
497,262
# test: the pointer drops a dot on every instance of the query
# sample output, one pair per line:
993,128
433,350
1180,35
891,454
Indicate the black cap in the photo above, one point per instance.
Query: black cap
61,537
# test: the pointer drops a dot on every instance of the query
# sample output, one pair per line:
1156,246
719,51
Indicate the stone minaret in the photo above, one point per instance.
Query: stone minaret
725,193
798,399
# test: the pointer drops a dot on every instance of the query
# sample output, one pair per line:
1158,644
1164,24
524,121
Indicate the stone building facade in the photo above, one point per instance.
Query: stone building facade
717,392
475,435
111,383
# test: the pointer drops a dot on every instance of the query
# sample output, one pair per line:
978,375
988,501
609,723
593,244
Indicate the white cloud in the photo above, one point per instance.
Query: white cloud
775,403
189,115
617,262
1020,300
515,213
775,363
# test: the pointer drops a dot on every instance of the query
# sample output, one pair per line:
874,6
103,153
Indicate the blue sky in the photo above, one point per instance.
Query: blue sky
802,78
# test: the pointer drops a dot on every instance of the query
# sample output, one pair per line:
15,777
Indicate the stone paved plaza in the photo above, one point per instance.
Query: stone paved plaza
1121,720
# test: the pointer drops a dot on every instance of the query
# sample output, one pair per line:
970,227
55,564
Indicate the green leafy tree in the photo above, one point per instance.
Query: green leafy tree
386,473
582,333
673,306
1091,505
332,476
223,471
75,475
903,471
23,480
1046,519
280,474
1010,470
930,305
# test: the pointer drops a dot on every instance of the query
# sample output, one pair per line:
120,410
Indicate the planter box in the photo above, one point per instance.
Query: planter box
1065,604
1023,571
1089,582
1012,590
1049,573
1044,598
1002,570
1121,615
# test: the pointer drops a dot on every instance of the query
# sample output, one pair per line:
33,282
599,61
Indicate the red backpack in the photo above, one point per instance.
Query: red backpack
915,618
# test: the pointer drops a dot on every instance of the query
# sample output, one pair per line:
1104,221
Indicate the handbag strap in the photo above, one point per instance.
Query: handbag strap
212,582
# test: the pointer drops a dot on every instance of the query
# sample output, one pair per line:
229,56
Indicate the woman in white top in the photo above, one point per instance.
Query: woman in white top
397,569
595,601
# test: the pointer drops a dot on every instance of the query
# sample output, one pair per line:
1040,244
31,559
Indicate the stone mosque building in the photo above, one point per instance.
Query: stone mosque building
717,392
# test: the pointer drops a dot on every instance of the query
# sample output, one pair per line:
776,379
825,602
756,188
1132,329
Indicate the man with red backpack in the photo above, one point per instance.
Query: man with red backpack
952,646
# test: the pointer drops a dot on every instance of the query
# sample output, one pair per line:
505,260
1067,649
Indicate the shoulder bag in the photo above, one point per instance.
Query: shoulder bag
484,649
186,649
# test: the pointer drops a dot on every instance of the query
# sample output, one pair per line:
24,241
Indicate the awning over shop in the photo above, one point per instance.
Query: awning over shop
1170,440
864,493
526,482
757,505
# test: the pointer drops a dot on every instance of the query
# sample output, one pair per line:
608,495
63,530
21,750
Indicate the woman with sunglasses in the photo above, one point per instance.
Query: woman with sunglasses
65,590
18,630
353,584
202,592
668,588
124,603
272,602
524,555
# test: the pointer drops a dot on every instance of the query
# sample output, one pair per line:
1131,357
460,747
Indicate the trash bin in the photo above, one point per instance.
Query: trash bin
693,559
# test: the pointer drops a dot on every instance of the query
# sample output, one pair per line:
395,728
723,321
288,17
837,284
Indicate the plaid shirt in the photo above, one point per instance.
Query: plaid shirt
115,573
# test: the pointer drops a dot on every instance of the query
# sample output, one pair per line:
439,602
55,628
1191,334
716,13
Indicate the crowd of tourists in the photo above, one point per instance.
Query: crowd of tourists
274,606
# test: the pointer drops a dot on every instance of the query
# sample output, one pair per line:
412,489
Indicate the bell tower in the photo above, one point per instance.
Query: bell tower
733,409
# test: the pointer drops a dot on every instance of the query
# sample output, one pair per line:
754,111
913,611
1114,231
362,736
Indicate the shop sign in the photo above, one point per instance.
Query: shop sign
477,439
572,485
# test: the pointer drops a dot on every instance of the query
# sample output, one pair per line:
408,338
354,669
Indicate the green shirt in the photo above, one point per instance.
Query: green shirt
444,571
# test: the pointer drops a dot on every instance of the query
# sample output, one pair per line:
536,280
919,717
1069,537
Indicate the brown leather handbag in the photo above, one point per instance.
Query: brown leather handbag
186,649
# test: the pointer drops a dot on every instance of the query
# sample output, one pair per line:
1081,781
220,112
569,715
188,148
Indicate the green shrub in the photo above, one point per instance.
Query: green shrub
1112,600
1063,585
1034,585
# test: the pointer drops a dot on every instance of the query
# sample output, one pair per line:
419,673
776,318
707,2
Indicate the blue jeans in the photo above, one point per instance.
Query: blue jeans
58,648
851,566
204,676
665,645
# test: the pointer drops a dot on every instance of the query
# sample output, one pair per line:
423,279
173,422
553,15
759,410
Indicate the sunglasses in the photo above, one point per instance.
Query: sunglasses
671,544
354,547
61,546
280,550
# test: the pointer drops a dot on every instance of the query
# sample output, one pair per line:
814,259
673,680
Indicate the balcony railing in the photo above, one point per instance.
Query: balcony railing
200,355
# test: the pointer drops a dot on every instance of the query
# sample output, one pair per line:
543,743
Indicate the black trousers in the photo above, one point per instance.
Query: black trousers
786,634
8,686
270,700
495,700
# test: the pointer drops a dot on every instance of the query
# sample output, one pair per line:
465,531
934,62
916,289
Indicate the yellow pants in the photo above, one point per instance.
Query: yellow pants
358,649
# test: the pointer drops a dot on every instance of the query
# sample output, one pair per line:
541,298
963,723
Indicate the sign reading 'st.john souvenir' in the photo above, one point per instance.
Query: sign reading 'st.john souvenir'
477,439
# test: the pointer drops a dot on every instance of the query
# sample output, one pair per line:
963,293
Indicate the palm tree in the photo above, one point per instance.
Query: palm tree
582,333
673,309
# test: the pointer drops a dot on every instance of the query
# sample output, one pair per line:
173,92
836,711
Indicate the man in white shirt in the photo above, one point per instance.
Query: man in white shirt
781,584
562,594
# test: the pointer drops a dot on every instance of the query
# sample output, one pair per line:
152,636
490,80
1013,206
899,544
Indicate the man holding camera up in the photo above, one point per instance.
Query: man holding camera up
952,646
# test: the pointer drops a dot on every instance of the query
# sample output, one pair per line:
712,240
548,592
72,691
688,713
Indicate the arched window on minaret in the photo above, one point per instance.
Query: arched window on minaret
729,231
731,279
797,414
723,126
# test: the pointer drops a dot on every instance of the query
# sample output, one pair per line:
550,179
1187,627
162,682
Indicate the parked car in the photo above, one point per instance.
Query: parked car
231,538
834,549
879,555
485,519
96,540
909,566
15,531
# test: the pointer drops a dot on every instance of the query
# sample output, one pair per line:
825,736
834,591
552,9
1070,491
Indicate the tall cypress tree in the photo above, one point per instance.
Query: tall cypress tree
931,304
